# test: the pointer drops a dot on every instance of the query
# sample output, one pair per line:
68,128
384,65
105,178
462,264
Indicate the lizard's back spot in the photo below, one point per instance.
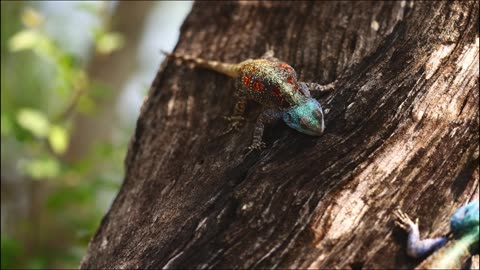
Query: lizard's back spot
258,86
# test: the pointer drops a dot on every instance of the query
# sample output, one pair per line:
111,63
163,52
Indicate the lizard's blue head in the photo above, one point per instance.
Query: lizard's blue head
306,117
466,220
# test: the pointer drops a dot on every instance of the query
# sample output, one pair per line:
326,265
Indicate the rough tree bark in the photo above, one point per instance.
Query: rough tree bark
402,131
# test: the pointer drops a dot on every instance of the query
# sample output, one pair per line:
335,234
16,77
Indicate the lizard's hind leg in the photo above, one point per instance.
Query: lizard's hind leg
269,54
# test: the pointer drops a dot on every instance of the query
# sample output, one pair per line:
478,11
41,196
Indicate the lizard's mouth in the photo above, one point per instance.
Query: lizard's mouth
313,130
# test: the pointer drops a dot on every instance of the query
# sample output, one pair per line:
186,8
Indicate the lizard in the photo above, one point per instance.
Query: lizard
452,251
272,83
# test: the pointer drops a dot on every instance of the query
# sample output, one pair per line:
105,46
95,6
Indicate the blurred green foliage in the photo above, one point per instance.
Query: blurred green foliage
43,86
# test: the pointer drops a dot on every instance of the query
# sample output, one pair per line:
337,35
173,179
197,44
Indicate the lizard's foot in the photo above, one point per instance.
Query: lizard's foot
255,146
403,221
236,123
316,90
417,248
269,51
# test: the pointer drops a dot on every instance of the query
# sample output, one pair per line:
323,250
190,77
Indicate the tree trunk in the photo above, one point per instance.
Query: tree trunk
402,131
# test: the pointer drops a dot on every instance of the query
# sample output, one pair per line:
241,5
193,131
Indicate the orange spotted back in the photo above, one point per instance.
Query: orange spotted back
269,82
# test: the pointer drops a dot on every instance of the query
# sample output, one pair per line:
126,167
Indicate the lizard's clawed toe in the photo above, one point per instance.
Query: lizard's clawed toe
256,146
235,123
269,51
403,221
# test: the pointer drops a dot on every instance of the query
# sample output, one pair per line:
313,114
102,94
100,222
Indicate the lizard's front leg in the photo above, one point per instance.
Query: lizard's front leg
316,90
417,248
268,117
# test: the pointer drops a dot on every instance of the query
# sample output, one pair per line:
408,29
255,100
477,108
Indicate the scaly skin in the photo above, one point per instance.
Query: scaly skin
449,253
273,84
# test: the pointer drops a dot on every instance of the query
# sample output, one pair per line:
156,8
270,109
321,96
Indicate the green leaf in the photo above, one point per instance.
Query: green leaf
34,121
86,105
58,139
32,18
6,125
109,42
42,168
25,39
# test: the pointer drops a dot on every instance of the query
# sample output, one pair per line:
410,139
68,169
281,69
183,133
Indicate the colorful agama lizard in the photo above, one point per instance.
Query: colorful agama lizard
272,83
452,251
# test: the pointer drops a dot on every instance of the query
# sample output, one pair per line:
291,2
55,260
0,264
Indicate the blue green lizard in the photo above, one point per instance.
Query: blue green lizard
272,83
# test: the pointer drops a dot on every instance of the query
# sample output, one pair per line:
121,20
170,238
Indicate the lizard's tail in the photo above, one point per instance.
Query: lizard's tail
230,70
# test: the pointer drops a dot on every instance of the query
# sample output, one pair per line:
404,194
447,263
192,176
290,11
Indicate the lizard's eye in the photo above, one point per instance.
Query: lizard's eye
317,114
304,122
287,117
